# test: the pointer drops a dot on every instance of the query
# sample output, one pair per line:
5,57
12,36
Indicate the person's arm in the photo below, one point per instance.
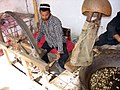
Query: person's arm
59,34
40,32
117,37
39,35
111,31
112,27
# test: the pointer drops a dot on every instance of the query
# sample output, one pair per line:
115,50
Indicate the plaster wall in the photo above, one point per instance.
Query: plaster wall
68,11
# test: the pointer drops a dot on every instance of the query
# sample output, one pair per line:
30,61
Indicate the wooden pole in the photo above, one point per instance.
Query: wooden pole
36,13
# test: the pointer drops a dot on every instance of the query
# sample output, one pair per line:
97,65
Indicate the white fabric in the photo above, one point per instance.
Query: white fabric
44,7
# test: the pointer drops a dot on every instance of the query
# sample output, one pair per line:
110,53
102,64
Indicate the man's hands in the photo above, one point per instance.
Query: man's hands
57,56
117,37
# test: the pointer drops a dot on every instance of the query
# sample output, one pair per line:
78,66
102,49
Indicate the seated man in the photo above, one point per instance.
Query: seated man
112,35
51,28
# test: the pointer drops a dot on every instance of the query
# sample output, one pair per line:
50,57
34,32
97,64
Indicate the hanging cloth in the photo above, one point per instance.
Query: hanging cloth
82,53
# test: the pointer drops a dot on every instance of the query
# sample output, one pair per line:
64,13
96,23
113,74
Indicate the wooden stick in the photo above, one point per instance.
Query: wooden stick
89,16
99,16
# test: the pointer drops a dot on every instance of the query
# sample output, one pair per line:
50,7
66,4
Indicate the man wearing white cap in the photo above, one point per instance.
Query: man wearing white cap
51,27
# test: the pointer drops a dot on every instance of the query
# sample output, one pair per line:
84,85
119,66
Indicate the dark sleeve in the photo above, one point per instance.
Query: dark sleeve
112,27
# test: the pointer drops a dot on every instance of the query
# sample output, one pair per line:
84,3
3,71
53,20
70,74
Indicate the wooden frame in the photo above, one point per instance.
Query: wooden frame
27,58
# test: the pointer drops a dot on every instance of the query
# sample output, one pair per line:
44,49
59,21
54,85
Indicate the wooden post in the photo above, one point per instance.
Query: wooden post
36,13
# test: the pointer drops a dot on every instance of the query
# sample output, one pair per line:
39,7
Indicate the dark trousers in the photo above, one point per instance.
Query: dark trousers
63,57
